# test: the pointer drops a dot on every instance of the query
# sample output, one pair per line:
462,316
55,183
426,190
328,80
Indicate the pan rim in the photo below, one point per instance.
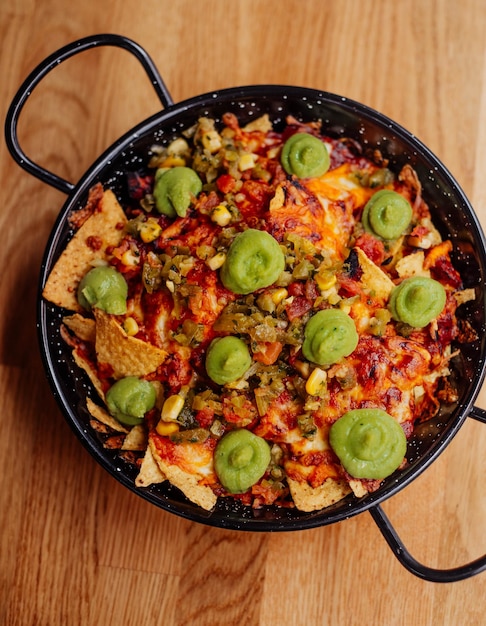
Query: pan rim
90,177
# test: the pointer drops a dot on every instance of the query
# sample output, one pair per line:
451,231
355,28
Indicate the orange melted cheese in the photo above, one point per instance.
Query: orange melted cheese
193,458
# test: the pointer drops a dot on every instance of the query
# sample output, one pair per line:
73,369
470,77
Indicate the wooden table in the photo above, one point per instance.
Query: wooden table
75,546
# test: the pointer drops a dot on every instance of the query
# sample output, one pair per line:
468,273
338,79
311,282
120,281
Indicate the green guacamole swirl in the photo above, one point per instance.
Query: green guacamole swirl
387,214
368,442
129,399
240,460
305,156
254,261
174,190
329,336
227,359
104,288
417,301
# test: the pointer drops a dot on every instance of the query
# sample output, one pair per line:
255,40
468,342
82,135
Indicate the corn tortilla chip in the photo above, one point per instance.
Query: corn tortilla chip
307,498
189,484
136,439
373,278
412,265
150,473
127,356
101,230
358,488
466,295
83,327
83,363
104,417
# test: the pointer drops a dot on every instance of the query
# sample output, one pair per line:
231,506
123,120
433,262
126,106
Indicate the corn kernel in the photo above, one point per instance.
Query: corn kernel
246,162
316,383
173,161
325,282
130,258
279,294
166,428
150,230
216,261
171,408
211,140
220,215
130,326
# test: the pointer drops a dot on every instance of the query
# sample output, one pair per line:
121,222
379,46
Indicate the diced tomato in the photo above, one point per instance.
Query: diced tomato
373,248
349,287
225,183
268,352
296,289
298,307
311,290
205,417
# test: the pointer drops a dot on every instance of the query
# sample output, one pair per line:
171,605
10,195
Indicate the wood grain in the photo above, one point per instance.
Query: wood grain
78,548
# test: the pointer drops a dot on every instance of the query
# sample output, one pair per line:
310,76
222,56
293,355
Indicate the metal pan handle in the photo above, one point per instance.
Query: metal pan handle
47,66
430,574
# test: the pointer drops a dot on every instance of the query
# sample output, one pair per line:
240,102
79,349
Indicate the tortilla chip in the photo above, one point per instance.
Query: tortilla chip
83,363
127,356
374,279
201,495
150,473
136,439
307,498
358,488
465,295
104,417
412,265
100,428
83,327
101,230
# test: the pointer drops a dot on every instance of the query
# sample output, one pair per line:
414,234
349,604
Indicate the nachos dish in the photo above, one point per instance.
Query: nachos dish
267,318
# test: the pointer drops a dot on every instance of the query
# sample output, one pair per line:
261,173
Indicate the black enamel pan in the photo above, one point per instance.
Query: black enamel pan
452,213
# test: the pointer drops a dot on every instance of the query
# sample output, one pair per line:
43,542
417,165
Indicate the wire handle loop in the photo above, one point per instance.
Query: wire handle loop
430,574
43,69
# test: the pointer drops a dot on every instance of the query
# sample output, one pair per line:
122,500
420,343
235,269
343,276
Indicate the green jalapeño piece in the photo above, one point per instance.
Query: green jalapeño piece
227,359
104,288
329,336
174,190
305,156
417,301
129,399
369,443
254,260
240,460
387,214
